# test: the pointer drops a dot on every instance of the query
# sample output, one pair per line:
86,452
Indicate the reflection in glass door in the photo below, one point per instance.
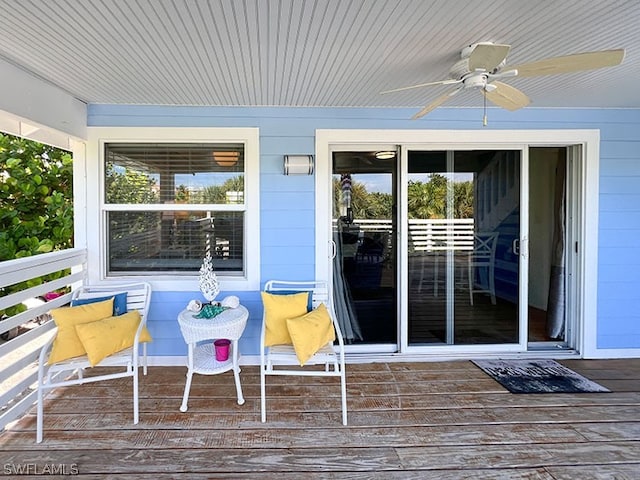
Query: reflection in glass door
463,212
365,265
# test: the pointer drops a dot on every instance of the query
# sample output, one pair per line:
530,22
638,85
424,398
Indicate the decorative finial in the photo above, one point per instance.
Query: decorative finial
209,285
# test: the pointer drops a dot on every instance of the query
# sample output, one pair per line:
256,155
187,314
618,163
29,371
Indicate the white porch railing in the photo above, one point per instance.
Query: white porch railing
428,235
18,356
441,234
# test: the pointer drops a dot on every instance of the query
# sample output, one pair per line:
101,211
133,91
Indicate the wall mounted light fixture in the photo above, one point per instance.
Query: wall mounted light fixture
298,164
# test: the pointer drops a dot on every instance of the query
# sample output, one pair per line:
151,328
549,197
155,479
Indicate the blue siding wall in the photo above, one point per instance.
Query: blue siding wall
163,326
619,232
287,203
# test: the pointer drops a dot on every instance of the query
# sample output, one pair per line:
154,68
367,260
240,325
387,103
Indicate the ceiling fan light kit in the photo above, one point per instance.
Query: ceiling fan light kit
482,64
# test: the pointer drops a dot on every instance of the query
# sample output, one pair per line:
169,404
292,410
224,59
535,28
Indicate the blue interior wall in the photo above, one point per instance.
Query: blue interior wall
287,203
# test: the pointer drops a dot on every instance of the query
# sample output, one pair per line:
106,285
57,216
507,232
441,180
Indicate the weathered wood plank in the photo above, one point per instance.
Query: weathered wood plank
497,456
307,410
596,472
505,474
214,402
203,460
220,460
176,435
620,364
483,400
431,420
104,389
602,432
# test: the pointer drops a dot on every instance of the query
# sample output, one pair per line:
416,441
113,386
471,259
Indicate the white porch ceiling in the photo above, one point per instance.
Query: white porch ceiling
312,52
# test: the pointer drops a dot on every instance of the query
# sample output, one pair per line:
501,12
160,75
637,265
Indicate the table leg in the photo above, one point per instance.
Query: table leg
236,373
187,387
185,397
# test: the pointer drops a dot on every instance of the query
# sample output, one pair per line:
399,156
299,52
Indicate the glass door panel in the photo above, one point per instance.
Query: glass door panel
365,264
463,224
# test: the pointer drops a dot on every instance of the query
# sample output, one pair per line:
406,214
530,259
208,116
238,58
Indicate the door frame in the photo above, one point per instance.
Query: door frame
586,297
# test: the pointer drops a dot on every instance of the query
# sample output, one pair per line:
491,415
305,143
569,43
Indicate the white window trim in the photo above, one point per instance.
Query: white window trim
249,137
456,139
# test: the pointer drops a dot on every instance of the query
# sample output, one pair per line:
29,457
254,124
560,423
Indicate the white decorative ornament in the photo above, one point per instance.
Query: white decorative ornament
194,306
231,301
209,285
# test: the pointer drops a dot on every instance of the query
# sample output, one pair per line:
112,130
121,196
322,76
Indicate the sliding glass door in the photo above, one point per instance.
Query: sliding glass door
364,238
463,219
425,238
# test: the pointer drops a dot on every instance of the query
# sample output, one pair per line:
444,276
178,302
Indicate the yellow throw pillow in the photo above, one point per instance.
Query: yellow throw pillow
277,308
310,332
110,335
67,344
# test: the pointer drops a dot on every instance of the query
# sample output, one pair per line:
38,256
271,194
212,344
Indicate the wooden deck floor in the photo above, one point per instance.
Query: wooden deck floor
444,420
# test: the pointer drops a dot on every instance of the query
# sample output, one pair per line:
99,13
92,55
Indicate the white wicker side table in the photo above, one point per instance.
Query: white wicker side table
199,334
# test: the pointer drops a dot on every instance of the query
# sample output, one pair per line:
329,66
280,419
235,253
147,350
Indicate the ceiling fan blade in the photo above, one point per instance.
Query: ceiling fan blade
506,96
487,56
435,104
429,84
570,63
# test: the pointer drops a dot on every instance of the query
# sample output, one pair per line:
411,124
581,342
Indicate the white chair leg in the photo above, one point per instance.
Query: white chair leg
263,395
343,388
40,409
136,412
144,358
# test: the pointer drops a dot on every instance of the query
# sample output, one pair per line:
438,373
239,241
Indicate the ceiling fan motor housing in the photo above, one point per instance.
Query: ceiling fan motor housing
477,80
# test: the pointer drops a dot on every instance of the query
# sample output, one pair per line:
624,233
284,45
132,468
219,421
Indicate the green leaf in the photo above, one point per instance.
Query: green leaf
28,188
13,162
45,248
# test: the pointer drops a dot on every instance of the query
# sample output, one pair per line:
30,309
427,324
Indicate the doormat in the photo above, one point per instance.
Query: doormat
537,376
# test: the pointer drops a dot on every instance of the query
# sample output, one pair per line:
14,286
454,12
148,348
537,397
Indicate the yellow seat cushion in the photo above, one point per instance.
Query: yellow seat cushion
277,308
67,344
110,335
310,332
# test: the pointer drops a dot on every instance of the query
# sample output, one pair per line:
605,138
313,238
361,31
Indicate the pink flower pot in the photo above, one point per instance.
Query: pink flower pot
222,349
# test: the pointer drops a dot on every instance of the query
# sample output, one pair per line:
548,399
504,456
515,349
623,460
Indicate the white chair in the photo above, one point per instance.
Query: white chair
483,256
70,372
279,359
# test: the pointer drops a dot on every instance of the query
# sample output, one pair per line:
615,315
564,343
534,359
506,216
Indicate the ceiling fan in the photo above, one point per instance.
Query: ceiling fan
483,64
